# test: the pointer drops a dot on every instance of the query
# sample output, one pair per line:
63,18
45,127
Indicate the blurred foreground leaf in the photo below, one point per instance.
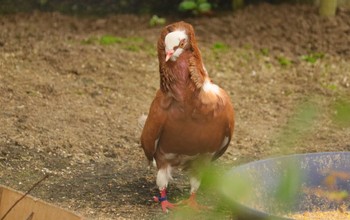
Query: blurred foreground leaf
298,126
289,187
342,112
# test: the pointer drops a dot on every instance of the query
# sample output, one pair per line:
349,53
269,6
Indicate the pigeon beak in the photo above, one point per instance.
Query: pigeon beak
168,55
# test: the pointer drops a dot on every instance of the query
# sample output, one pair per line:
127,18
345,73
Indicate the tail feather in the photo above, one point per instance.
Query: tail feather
141,121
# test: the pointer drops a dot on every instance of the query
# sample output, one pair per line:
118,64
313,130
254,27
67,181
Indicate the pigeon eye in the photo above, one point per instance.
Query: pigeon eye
182,43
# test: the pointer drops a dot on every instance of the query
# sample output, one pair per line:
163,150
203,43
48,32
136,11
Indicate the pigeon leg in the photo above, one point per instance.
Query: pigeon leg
192,201
163,177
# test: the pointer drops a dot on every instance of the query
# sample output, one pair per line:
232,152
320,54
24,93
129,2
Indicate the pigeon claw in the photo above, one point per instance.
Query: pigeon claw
193,204
165,204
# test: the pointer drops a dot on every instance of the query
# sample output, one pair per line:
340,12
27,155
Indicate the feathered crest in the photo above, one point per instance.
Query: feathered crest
196,68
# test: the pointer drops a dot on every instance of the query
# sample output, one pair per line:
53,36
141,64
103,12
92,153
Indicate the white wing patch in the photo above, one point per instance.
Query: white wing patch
210,87
141,121
154,162
210,93
224,142
156,144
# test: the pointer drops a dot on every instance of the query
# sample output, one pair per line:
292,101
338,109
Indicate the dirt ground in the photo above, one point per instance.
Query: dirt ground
69,104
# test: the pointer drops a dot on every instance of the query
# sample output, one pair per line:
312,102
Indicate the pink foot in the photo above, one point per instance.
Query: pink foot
166,205
192,203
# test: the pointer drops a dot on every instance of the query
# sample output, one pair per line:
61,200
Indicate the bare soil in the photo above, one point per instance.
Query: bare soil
69,105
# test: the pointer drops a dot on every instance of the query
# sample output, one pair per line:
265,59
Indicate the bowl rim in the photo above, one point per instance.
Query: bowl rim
247,212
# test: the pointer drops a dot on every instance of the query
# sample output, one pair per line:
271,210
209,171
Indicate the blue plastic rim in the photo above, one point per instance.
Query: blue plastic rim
308,180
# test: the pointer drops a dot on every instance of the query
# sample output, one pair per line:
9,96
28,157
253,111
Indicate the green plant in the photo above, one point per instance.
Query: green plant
284,61
313,57
131,43
195,6
265,51
331,87
155,20
108,40
42,2
220,47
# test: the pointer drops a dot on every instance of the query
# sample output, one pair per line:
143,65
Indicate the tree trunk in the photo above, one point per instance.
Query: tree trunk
328,7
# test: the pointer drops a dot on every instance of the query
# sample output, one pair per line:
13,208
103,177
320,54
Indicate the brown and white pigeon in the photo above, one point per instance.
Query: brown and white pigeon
191,120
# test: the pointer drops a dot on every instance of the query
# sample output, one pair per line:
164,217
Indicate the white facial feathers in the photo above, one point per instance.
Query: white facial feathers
172,43
173,39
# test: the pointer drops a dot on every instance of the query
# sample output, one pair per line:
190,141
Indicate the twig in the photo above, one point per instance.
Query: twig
30,217
31,188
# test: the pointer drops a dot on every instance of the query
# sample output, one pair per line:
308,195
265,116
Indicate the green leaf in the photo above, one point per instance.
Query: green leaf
201,1
187,6
204,7
289,186
298,125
